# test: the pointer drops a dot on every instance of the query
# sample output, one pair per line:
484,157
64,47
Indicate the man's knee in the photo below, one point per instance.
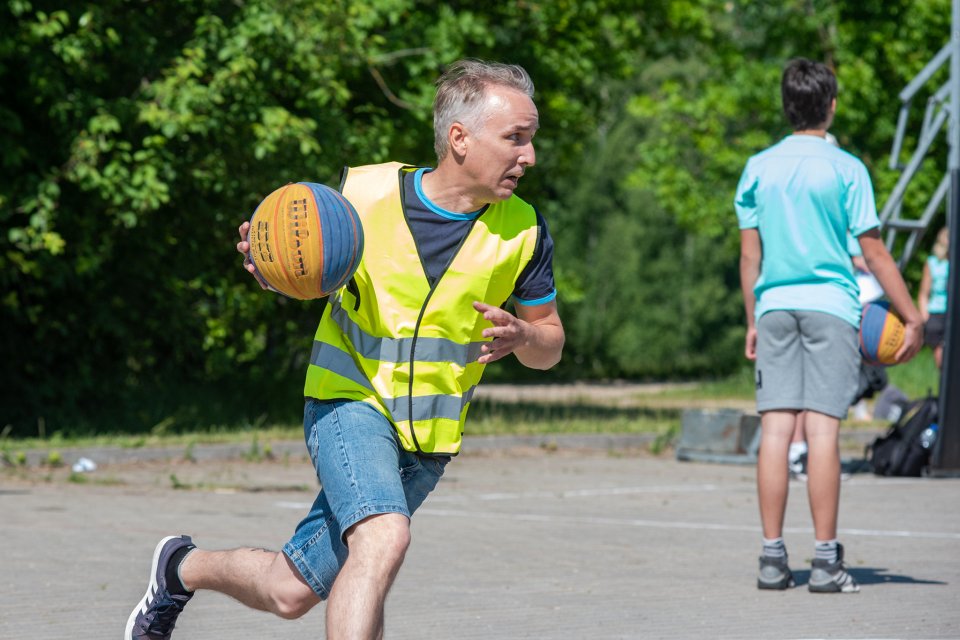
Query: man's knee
384,536
289,595
291,606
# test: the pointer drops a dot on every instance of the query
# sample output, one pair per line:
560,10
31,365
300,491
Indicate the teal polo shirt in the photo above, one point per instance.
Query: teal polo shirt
939,277
804,195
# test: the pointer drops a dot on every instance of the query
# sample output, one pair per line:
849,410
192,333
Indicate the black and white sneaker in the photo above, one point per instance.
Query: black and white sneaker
156,614
831,577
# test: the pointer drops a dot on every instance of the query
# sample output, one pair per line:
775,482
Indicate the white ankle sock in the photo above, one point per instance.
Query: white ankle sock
826,550
774,548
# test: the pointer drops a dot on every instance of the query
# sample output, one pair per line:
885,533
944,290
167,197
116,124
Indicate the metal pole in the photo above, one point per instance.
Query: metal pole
946,458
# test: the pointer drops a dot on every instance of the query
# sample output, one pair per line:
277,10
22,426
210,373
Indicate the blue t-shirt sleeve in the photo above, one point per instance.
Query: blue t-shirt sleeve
745,201
853,245
535,284
859,201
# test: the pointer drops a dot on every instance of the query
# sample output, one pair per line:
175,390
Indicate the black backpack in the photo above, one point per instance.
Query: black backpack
900,452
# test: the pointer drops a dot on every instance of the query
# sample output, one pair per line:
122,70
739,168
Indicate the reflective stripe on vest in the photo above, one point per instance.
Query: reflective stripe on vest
423,407
400,349
401,345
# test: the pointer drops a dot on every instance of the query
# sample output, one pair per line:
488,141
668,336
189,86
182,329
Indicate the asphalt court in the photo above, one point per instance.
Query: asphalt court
525,544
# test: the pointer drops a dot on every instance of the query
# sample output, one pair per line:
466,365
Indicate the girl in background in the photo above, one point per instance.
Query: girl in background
932,298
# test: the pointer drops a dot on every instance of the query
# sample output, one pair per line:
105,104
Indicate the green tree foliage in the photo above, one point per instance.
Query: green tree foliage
658,292
135,137
654,300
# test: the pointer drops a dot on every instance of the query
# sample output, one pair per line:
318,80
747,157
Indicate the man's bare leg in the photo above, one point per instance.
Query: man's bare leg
260,579
377,548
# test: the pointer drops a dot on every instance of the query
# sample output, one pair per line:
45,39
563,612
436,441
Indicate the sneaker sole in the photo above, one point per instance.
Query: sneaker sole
831,587
781,585
152,589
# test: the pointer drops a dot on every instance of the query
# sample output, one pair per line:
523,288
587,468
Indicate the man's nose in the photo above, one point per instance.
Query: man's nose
528,157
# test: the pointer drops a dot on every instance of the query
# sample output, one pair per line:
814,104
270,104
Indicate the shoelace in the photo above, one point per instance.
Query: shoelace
165,610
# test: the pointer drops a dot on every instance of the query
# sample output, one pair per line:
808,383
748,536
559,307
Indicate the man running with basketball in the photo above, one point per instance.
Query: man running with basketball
396,359
795,203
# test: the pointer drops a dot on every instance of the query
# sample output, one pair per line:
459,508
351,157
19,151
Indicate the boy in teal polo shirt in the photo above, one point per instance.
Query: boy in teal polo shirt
795,204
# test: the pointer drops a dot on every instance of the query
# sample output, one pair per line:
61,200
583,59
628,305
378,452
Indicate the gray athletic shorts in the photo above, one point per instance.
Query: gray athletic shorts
806,360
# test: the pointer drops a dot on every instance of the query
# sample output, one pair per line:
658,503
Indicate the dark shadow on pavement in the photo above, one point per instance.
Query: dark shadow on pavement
869,575
856,465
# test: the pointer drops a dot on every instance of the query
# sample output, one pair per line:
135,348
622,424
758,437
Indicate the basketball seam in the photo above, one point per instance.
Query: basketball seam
283,266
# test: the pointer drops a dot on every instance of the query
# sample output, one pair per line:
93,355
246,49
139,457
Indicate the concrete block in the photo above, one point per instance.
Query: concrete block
714,434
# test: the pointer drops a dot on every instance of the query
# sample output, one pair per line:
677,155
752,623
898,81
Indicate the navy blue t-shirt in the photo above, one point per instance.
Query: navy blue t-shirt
438,232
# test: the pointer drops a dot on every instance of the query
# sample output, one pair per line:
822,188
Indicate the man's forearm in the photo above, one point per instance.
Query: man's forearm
543,348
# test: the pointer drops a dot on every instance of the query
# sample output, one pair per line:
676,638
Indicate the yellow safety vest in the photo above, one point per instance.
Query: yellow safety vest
390,339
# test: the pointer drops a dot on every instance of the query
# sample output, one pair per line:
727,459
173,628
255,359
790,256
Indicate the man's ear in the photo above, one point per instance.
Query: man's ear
457,138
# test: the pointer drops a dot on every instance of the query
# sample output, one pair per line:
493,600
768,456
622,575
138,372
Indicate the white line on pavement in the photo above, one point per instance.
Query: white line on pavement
666,524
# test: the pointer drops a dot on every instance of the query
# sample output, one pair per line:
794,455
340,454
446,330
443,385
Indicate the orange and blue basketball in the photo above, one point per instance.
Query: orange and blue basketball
881,333
306,240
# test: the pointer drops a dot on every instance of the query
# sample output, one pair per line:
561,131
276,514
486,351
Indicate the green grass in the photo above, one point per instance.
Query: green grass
486,418
738,386
11,448
532,418
917,377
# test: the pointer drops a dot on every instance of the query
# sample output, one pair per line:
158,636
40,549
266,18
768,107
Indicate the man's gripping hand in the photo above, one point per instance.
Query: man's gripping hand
244,247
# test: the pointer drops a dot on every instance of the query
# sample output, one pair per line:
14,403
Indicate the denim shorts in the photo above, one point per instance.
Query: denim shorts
363,471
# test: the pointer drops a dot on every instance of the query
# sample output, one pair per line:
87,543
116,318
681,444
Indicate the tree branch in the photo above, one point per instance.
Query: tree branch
391,96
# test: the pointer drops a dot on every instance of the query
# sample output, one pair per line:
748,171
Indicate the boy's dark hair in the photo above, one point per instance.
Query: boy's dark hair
807,88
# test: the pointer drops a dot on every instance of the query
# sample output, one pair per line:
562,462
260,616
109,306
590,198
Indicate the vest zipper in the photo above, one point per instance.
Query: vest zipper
355,290
416,333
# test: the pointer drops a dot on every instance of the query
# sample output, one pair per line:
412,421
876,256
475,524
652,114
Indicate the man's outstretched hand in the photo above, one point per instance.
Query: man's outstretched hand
508,332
